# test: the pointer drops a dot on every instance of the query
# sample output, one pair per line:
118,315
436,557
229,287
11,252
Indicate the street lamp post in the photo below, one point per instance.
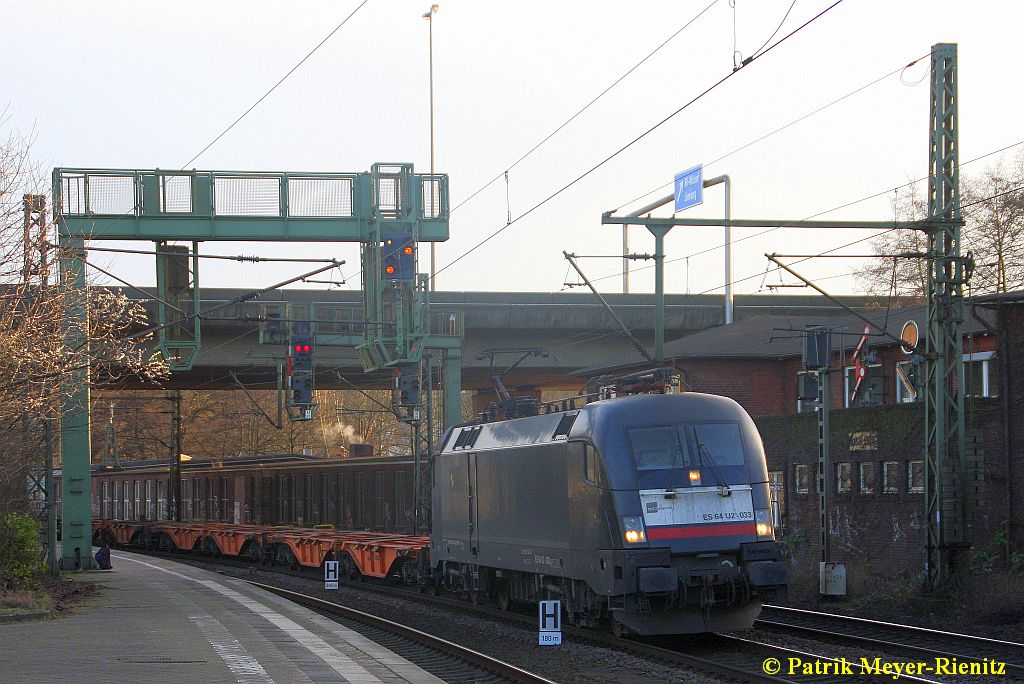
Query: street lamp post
429,16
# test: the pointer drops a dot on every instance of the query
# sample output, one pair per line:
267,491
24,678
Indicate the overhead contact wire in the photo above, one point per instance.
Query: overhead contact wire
637,138
586,106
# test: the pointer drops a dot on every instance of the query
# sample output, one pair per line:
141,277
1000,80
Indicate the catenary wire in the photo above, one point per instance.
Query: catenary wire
291,71
808,115
636,139
821,213
274,87
813,256
585,107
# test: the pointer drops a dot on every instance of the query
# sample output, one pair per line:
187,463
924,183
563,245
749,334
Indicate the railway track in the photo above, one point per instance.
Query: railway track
453,662
725,656
894,638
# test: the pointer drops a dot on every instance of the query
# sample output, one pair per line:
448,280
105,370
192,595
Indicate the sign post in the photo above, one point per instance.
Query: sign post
689,188
331,574
550,623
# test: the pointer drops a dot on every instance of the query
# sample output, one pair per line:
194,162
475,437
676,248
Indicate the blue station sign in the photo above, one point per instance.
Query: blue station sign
689,187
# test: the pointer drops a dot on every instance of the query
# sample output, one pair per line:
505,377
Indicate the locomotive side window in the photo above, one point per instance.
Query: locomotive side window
564,425
658,448
592,465
721,442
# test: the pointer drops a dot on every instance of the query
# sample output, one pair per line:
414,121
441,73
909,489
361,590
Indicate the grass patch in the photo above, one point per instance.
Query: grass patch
25,600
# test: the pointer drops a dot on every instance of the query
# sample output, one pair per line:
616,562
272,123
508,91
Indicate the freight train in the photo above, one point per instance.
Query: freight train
646,509
373,494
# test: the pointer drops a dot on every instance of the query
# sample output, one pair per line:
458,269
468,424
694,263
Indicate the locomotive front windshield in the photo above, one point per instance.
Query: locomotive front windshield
712,448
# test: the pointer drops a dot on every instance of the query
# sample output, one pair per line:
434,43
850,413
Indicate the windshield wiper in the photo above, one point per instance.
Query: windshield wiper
702,451
670,491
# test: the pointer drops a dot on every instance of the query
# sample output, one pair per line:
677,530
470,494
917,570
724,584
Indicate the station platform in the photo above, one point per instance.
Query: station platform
160,621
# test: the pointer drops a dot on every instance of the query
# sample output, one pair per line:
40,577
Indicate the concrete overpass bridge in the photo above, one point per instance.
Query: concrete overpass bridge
573,326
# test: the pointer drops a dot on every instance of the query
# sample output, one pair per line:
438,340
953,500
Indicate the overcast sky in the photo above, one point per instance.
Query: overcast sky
147,85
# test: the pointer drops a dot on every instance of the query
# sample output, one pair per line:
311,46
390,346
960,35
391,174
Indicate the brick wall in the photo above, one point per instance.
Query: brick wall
762,387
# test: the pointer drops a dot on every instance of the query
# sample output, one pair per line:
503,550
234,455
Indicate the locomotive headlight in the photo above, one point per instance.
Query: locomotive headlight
633,529
763,518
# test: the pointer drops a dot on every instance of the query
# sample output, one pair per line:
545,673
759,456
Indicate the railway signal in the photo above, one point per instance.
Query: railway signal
302,353
398,257
302,390
300,374
409,386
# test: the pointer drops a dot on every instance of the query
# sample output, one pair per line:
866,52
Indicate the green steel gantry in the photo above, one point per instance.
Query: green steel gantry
945,469
196,206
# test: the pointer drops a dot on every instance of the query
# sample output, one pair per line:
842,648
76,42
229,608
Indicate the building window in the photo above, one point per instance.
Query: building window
980,371
891,477
844,477
777,489
806,391
908,382
802,476
867,477
870,392
915,477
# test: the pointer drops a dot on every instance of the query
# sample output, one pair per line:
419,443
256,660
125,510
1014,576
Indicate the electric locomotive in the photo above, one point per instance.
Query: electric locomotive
650,511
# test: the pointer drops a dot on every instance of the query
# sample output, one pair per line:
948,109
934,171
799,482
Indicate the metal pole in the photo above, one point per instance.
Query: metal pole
423,496
51,503
416,482
429,16
622,326
452,387
625,259
659,233
824,462
75,441
176,484
724,178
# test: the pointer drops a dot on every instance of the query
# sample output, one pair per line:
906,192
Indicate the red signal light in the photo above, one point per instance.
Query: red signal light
407,250
298,347
389,269
306,348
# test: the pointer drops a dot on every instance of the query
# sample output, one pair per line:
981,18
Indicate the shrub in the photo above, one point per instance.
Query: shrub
21,554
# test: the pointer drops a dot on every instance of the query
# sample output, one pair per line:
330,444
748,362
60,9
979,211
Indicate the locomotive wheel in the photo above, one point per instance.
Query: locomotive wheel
504,598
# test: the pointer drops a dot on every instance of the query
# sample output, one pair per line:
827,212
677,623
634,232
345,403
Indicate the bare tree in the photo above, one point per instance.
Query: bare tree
993,235
994,232
36,351
888,274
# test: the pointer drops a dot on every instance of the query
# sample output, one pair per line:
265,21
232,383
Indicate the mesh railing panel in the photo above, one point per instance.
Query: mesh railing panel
72,194
388,195
111,194
320,197
246,196
176,194
431,198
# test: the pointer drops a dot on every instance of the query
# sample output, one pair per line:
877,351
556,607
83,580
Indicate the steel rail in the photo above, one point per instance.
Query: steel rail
476,658
775,651
743,663
993,649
